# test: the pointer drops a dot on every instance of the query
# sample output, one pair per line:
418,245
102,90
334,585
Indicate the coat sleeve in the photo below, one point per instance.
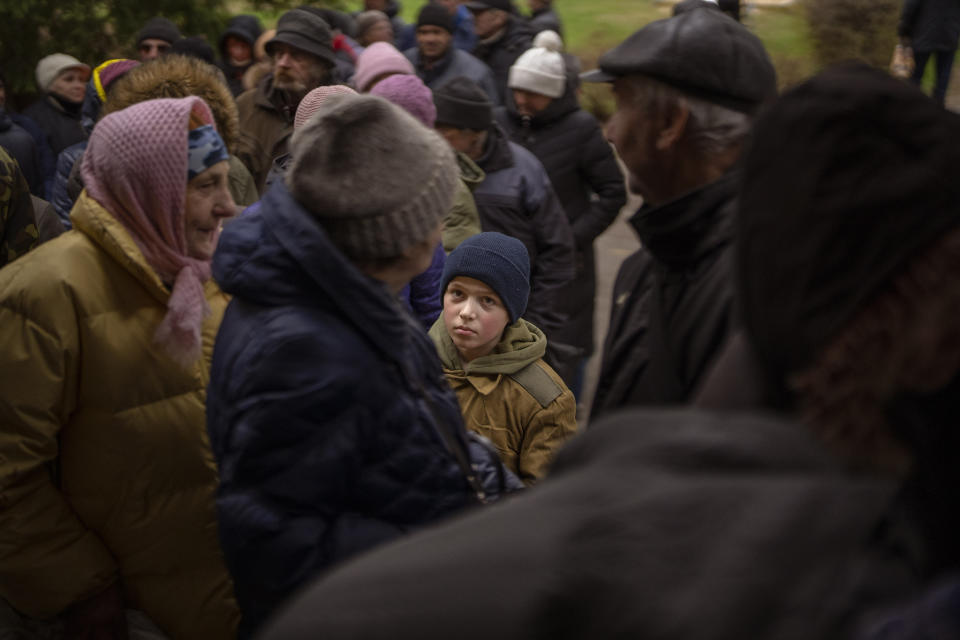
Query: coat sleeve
48,558
554,265
463,221
908,18
549,429
600,170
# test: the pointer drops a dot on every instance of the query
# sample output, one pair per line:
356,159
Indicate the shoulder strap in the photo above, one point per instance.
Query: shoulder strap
538,384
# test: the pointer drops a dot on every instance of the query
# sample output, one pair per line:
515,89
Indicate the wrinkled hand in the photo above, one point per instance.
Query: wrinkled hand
100,617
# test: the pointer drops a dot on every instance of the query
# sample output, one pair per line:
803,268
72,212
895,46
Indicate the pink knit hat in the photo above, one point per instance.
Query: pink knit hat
135,166
312,101
380,58
410,93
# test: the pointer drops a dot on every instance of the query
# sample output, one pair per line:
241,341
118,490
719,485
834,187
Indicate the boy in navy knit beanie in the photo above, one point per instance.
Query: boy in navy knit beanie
493,358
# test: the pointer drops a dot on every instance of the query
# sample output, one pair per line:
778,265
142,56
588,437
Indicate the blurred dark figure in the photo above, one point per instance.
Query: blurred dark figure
236,49
543,115
374,26
729,7
931,28
501,37
195,47
23,148
687,524
46,158
18,228
543,17
687,88
392,10
156,37
515,198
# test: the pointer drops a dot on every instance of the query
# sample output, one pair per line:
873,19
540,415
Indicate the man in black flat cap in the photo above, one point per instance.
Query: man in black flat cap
686,88
303,59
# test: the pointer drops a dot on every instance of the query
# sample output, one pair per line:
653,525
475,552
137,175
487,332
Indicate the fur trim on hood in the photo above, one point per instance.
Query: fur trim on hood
176,76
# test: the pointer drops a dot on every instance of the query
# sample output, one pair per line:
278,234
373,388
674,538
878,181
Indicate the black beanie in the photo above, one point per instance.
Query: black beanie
499,261
195,47
435,15
159,28
847,177
462,104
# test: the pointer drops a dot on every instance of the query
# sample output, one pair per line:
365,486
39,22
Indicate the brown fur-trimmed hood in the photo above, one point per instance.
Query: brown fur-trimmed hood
176,76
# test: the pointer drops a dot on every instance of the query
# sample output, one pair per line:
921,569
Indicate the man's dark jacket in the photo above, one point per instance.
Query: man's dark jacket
59,120
21,145
517,199
327,409
589,184
672,301
669,524
501,53
546,19
454,64
931,25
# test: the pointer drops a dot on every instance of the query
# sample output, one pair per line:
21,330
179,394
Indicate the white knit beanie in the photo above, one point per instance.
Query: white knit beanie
51,66
541,68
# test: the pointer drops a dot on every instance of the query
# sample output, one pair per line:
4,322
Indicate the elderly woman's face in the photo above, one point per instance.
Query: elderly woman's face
208,203
70,84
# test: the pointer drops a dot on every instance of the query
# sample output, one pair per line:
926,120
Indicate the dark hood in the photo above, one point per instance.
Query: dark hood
279,254
848,177
244,27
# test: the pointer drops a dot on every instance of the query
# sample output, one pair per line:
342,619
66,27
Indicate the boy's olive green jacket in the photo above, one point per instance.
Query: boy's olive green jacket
512,397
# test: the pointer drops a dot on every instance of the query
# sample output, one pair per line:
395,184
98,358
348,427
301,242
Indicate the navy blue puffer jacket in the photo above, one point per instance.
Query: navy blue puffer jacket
325,409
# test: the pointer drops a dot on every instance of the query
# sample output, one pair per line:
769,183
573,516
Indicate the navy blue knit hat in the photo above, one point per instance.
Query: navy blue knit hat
498,261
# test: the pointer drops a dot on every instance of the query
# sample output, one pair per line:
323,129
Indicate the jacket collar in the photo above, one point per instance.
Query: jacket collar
278,100
366,302
497,155
680,232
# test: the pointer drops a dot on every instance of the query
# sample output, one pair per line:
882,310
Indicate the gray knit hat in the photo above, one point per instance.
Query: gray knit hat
355,141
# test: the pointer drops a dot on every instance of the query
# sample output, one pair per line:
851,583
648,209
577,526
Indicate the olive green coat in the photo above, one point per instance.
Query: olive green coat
512,397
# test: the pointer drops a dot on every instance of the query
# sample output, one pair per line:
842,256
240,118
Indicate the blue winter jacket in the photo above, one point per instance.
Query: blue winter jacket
325,409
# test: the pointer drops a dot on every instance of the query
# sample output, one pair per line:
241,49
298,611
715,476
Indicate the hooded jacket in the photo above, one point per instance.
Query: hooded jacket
500,53
720,527
672,301
517,199
103,480
587,180
327,409
266,124
931,25
512,397
455,64
246,28
463,221
22,147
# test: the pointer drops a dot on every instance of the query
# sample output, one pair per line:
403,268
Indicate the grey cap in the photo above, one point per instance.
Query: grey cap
701,52
304,30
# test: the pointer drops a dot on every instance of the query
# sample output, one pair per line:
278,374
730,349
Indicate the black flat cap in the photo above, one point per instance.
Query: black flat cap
701,52
304,30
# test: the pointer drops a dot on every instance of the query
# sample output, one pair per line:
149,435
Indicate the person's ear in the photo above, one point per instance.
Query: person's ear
674,126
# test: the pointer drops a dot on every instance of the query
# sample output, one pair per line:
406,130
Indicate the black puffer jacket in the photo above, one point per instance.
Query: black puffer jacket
580,163
21,145
672,301
708,527
931,25
517,199
500,54
60,121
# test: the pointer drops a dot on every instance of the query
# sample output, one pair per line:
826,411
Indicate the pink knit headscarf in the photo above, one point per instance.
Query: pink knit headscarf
135,166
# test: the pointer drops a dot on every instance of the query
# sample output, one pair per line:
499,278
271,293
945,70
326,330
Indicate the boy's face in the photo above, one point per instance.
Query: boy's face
474,317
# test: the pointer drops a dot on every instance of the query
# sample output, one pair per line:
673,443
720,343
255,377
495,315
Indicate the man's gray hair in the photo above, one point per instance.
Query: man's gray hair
712,129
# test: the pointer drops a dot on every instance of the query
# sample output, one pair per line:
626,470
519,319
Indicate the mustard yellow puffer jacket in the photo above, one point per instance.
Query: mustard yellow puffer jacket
105,468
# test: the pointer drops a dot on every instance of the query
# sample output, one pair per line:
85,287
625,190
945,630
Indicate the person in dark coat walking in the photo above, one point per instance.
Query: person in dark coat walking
332,425
501,37
62,79
438,61
690,524
931,28
543,115
686,89
515,198
236,49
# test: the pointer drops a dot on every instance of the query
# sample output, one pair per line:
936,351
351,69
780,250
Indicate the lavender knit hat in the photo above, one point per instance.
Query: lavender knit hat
312,101
410,93
352,140
379,59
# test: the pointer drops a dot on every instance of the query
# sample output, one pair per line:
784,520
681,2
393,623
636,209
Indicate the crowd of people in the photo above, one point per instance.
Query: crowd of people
293,334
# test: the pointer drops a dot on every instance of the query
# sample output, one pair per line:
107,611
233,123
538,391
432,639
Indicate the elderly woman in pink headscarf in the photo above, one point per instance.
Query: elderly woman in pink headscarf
106,334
